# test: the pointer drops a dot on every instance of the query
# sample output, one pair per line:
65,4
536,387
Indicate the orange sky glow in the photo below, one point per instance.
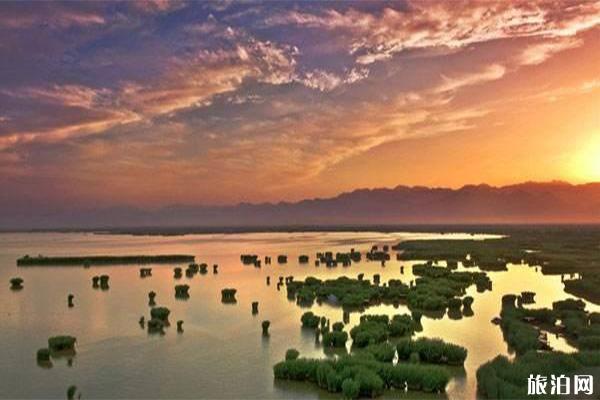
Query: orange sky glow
190,103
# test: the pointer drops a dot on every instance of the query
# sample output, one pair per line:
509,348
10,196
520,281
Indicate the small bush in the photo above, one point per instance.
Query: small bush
310,320
43,355
383,352
467,301
181,291
265,327
61,343
291,354
160,313
454,303
335,339
71,392
16,283
350,389
338,326
228,295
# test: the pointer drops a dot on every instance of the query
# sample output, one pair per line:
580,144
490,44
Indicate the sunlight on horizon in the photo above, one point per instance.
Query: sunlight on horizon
586,162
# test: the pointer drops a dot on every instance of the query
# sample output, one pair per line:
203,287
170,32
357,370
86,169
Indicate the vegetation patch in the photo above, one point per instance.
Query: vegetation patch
16,283
432,351
61,343
103,260
361,375
502,378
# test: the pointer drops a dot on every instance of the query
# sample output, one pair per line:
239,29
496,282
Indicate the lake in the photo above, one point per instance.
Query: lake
221,353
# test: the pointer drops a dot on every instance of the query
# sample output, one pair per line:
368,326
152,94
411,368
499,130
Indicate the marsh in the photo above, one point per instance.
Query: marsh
222,342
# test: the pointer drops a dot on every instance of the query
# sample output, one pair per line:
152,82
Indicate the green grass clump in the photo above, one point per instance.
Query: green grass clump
310,320
432,351
350,388
374,329
265,327
71,391
367,376
43,355
228,295
61,343
249,259
384,352
337,326
104,260
182,291
160,313
16,283
502,378
291,354
335,339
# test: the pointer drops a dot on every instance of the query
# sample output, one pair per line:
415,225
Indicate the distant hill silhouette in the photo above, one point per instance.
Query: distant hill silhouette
552,202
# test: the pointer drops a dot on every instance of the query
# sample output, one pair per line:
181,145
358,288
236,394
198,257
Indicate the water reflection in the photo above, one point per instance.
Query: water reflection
115,358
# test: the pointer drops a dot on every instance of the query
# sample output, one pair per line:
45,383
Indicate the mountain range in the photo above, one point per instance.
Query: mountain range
526,203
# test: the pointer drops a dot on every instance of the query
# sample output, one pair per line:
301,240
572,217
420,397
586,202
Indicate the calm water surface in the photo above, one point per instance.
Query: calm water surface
222,353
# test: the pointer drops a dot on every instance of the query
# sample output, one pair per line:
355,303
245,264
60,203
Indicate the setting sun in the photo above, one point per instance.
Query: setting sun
586,163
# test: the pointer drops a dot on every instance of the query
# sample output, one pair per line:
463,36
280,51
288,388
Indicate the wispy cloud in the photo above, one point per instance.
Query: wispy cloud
445,24
259,100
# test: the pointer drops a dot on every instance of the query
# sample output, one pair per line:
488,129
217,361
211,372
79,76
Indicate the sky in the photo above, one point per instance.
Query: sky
156,103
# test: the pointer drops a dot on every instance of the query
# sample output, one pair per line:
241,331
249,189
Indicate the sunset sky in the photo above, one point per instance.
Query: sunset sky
158,103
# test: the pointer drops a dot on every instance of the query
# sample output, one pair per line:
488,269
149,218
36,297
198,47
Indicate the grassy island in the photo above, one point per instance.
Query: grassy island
103,260
362,375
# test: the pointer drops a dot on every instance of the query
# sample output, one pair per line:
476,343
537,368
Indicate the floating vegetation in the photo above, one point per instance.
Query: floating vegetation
375,255
151,297
104,282
156,325
586,286
191,270
432,351
249,259
61,343
177,273
203,268
104,260
330,260
71,391
335,339
521,327
291,354
228,295
502,378
160,313
310,320
43,358
265,327
432,291
182,291
362,370
16,283
145,272
374,329
527,297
